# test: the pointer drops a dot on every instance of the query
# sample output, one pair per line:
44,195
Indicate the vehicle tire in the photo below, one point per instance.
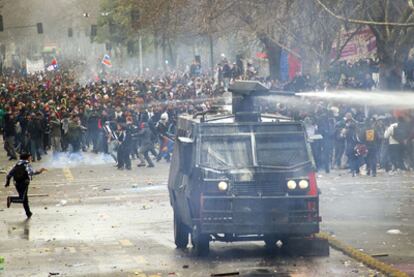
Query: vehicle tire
180,233
201,243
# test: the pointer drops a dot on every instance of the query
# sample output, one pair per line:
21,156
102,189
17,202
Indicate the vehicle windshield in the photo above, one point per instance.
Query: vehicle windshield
281,150
231,152
226,152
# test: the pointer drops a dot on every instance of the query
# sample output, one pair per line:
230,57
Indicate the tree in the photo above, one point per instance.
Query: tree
392,22
156,20
299,27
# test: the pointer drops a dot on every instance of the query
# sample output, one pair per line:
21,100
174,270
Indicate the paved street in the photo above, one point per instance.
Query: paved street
98,221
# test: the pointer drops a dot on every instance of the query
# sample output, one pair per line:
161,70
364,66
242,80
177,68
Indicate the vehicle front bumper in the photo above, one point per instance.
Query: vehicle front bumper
282,215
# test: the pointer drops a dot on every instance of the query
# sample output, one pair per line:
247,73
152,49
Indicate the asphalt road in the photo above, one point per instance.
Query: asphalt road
98,221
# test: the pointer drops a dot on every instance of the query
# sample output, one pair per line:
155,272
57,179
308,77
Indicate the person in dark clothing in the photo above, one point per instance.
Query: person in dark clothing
35,132
22,173
9,133
162,129
371,140
21,139
93,130
45,117
368,83
339,143
75,133
326,127
226,74
351,143
147,144
133,130
56,134
124,148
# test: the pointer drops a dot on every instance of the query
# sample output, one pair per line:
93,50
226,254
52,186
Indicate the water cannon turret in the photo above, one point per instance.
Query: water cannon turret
244,94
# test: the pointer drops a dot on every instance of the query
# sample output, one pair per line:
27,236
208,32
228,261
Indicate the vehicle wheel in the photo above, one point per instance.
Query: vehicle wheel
180,233
201,243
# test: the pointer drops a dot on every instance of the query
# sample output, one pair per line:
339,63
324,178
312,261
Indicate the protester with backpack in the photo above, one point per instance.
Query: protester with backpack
371,140
22,173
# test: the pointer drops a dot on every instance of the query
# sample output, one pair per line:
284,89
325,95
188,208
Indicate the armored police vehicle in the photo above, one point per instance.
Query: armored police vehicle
242,176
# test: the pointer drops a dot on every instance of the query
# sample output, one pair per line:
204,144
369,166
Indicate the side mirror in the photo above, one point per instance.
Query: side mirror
186,153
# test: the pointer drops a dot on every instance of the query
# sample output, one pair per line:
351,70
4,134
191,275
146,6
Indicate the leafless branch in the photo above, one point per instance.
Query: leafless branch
359,21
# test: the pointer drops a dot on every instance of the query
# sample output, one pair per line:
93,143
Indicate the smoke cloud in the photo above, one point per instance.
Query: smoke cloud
63,160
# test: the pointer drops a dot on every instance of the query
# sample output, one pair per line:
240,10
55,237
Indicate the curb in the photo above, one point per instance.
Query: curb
362,257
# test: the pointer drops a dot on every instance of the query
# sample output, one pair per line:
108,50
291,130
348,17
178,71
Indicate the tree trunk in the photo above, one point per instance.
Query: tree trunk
324,66
164,51
156,50
171,55
389,67
273,52
210,39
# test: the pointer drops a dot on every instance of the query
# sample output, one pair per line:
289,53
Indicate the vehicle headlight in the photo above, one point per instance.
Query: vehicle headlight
291,184
303,184
223,186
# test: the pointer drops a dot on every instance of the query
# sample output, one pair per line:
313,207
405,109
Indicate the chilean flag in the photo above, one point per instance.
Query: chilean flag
107,61
53,65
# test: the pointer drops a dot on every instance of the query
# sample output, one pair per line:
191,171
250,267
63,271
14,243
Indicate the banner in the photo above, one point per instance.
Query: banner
284,66
295,65
361,44
35,66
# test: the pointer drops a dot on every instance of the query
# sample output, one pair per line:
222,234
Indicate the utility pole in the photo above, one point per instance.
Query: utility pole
210,36
141,68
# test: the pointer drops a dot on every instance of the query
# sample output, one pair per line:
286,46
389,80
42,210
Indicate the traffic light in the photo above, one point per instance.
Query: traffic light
39,28
94,30
1,24
70,32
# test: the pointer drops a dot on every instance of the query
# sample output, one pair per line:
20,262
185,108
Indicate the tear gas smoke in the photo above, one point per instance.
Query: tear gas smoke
63,160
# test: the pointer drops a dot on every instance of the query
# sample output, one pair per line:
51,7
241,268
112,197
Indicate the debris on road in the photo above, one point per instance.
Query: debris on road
146,207
394,232
38,195
225,274
62,202
379,255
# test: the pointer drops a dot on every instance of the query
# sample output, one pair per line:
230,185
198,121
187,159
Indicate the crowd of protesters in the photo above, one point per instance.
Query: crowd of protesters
52,112
136,118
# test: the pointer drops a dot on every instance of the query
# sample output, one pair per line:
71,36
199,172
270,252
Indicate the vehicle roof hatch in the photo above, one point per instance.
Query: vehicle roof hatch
243,96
